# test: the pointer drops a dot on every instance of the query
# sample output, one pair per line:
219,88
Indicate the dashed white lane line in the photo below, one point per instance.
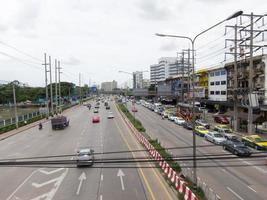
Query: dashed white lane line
102,177
237,195
252,189
101,197
256,167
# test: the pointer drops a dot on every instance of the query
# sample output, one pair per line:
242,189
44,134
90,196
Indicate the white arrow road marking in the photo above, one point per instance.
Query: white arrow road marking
81,179
50,172
121,174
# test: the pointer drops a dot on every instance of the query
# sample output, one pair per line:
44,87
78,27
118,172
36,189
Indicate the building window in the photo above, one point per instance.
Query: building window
217,83
217,73
223,82
217,92
211,74
223,72
223,92
211,83
211,92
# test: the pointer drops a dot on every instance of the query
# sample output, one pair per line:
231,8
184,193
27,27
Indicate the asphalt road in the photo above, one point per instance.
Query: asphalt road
231,183
100,182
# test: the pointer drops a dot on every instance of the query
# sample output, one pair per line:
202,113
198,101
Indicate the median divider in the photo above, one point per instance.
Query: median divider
171,174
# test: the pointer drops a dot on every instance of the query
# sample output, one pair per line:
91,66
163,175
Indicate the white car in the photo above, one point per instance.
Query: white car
215,137
171,117
179,120
85,157
110,115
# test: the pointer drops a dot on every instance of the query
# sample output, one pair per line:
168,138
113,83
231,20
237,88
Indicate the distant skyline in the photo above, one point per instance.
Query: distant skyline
98,38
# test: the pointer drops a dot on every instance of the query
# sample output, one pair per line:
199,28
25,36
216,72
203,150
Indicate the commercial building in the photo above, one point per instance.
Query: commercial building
137,80
109,86
217,84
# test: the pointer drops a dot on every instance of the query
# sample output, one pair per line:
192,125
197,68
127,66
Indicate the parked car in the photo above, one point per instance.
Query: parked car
221,119
215,137
255,141
179,120
171,117
224,130
188,125
96,119
85,157
236,147
202,122
201,131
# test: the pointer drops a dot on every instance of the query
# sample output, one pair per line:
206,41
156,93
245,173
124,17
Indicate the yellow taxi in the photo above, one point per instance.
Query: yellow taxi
201,130
255,141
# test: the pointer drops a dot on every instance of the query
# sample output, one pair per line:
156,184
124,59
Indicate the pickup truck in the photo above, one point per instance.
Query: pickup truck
59,122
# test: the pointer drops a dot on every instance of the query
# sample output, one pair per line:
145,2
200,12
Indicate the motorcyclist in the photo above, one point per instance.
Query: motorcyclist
40,126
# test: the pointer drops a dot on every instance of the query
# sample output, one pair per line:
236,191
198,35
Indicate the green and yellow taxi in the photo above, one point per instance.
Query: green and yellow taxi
201,131
255,141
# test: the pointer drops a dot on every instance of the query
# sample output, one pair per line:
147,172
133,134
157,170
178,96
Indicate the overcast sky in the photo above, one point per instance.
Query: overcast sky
100,37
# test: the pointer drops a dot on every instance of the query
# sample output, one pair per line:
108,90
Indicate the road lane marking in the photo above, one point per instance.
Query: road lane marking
81,179
154,171
121,174
38,185
22,184
139,169
237,195
101,197
102,177
252,189
256,167
50,172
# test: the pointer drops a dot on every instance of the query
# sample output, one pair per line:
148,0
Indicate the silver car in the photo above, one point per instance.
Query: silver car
215,137
110,115
85,157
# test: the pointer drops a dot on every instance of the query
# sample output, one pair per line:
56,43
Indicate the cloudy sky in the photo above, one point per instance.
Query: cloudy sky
97,38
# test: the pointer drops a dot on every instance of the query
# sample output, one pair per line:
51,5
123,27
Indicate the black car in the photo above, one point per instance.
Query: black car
188,125
237,148
107,107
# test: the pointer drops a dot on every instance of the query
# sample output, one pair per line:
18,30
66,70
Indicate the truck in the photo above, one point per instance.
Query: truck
59,122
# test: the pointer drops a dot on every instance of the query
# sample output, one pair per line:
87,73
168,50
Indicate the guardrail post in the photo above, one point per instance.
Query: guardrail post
4,122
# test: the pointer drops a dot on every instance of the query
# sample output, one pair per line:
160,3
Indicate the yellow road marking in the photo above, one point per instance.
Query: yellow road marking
141,171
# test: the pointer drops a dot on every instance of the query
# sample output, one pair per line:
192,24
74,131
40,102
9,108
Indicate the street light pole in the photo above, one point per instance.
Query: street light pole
236,14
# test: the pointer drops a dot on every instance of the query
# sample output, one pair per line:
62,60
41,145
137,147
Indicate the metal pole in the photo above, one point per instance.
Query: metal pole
235,81
46,89
59,86
250,85
80,91
51,87
15,106
188,75
56,96
193,117
182,77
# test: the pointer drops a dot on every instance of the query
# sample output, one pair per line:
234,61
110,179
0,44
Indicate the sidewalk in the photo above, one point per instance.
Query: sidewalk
28,126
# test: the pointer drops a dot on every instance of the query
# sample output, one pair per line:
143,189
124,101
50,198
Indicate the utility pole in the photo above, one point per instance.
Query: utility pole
59,86
182,77
250,108
235,80
51,87
15,106
188,74
56,96
80,91
46,89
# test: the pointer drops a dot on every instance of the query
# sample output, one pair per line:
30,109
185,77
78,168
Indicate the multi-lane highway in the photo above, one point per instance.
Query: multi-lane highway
100,182
231,183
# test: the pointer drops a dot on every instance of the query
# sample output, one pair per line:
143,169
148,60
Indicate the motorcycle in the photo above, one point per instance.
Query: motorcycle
40,126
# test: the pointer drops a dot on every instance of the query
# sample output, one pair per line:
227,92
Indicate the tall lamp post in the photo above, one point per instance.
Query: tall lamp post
192,40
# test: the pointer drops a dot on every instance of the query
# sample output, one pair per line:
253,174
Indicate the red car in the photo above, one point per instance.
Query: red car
96,119
134,109
221,119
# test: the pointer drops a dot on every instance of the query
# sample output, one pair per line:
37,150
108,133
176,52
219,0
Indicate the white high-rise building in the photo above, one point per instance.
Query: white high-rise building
166,68
137,80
